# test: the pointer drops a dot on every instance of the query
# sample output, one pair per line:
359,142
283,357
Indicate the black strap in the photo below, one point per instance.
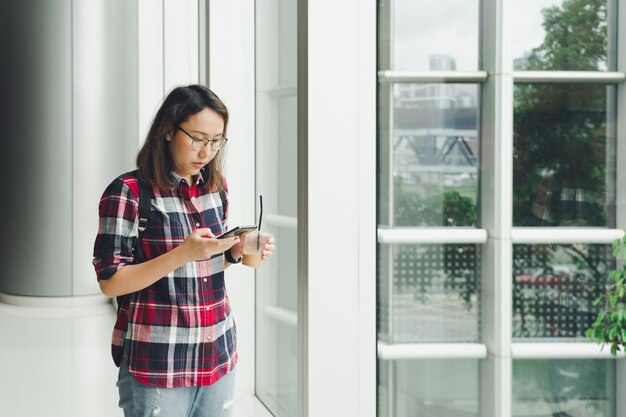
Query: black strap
145,191
223,198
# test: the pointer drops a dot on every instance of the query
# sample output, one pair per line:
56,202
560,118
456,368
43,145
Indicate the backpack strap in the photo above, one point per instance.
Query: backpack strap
223,198
144,212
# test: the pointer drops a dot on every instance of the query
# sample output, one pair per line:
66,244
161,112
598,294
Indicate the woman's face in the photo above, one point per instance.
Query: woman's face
187,161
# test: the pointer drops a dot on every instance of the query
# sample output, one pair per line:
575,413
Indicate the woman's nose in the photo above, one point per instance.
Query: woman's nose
206,151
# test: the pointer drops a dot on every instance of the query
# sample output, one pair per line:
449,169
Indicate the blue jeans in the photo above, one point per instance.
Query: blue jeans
139,400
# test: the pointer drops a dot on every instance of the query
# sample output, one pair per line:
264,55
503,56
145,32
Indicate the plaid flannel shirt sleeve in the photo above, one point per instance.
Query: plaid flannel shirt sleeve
117,229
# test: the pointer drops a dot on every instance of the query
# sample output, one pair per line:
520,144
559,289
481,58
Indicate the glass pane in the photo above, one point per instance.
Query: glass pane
564,155
554,287
430,293
276,181
562,35
407,29
442,388
432,152
563,388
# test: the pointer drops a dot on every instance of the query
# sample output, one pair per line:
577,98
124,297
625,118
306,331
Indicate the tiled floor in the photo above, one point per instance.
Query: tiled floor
55,362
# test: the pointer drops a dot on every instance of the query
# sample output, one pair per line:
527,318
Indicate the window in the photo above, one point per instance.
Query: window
498,156
276,173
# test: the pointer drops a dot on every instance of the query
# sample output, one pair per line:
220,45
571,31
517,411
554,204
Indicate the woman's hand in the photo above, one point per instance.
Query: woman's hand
268,250
236,251
202,244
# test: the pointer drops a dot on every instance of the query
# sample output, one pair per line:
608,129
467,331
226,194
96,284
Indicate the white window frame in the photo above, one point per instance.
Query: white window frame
331,382
498,234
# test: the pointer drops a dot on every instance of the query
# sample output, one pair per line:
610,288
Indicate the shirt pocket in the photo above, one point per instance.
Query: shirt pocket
168,225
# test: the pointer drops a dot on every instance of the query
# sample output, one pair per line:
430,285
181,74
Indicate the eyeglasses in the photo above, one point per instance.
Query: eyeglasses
199,143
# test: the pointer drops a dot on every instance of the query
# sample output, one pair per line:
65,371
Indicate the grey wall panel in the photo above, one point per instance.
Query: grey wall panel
68,88
105,116
36,168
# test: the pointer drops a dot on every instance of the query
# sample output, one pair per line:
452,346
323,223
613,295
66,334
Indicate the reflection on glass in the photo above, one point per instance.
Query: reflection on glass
276,180
413,25
445,388
563,388
564,147
433,156
554,287
430,293
560,35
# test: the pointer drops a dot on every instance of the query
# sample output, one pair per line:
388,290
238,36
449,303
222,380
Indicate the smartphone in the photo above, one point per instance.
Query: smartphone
238,231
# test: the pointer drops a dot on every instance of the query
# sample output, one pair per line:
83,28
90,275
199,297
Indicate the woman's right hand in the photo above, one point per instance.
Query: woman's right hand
202,244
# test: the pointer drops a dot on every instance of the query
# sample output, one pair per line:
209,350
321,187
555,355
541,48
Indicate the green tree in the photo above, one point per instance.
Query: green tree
576,37
560,146
560,129
451,209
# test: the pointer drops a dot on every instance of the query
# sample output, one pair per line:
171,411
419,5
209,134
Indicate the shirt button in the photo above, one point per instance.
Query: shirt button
197,224
205,280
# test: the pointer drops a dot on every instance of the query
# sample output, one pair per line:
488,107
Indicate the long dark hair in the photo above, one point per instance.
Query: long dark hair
154,161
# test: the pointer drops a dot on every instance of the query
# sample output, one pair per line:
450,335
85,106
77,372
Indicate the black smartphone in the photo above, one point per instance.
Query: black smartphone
238,231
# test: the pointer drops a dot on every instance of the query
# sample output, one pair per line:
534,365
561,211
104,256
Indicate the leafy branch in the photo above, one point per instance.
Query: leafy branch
609,328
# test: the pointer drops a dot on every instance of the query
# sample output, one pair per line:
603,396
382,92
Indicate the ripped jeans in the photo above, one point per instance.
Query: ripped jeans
139,400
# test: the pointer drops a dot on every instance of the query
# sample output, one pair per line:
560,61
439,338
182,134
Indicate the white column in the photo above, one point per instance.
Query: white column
336,96
104,117
180,43
150,54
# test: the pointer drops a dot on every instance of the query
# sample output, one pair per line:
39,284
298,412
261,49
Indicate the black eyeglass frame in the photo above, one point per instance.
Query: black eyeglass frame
216,144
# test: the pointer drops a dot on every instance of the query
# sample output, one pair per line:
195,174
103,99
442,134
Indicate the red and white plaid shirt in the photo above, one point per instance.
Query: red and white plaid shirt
179,331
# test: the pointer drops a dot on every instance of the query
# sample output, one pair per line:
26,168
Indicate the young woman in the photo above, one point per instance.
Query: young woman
175,338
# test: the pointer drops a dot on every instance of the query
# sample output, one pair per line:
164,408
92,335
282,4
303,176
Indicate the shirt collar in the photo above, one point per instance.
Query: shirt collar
178,179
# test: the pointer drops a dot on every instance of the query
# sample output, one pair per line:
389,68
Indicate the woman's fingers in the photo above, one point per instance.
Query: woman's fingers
202,244
204,232
268,249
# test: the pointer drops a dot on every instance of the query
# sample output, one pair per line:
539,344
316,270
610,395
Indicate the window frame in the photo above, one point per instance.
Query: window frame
497,80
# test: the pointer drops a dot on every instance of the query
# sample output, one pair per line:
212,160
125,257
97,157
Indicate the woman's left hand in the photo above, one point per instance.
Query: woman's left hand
237,250
268,249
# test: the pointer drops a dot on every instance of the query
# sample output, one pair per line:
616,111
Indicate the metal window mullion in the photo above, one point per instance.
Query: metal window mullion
391,205
280,221
560,350
279,91
605,77
458,77
432,235
431,351
496,207
545,235
391,368
620,192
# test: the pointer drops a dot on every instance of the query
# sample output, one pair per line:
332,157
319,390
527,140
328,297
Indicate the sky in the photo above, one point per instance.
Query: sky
418,24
